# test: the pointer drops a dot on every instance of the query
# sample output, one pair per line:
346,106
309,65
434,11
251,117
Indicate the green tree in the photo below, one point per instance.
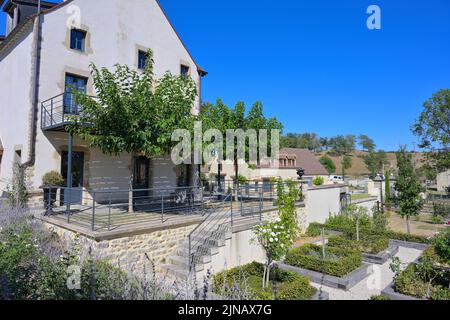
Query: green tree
375,161
133,112
387,189
433,129
346,164
408,187
366,143
223,118
328,163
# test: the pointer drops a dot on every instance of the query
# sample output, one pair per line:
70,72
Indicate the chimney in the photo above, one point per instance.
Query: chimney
17,11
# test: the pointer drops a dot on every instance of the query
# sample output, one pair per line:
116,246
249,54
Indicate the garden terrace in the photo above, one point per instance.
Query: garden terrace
105,214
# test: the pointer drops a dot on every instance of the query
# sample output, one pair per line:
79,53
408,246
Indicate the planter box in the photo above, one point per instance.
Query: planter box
390,292
411,245
345,283
382,257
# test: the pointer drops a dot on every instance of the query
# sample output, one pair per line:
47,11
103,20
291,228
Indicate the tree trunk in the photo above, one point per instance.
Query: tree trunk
408,224
130,193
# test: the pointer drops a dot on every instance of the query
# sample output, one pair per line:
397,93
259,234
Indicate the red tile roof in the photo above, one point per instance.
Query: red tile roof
306,160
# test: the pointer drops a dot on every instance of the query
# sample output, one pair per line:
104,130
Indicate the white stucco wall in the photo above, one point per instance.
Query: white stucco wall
321,202
443,181
116,31
15,104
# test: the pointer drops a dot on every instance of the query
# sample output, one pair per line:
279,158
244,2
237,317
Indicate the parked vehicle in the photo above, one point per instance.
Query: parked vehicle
335,179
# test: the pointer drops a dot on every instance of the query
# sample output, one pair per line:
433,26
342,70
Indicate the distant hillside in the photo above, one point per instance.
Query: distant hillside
359,168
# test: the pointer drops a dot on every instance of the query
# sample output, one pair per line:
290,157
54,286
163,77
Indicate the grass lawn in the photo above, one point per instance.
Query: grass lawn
420,225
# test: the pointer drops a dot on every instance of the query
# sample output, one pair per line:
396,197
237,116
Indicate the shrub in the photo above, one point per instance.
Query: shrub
442,246
314,230
318,181
441,209
413,283
338,262
380,297
407,237
298,289
52,179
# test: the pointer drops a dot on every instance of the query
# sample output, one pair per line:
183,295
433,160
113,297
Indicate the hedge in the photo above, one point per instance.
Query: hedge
365,231
291,286
373,244
338,262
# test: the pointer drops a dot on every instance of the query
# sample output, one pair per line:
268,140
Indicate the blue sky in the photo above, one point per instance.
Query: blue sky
315,65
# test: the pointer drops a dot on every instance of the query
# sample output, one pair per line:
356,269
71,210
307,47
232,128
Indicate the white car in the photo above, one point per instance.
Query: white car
336,179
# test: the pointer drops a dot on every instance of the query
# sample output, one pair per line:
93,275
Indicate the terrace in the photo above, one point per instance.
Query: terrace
107,214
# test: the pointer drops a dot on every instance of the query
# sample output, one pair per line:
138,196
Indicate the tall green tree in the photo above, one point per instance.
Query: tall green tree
346,164
221,117
375,161
408,187
366,143
387,189
328,163
433,129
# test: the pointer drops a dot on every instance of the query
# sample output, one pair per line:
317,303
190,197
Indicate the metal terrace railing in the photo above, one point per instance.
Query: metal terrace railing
243,203
106,210
56,111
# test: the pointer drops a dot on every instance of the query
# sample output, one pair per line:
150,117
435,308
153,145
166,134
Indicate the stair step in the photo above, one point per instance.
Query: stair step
183,263
177,271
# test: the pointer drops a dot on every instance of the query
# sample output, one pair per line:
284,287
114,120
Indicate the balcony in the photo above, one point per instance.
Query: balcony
57,112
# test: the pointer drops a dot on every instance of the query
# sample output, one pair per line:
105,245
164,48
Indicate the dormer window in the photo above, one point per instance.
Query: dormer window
78,40
184,71
142,59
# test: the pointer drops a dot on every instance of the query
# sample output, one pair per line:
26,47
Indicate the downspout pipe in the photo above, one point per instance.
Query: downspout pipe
36,68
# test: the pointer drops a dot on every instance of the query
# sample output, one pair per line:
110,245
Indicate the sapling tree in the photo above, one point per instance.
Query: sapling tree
408,187
278,237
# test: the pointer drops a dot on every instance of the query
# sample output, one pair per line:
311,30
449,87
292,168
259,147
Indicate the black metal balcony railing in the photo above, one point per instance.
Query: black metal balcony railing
56,111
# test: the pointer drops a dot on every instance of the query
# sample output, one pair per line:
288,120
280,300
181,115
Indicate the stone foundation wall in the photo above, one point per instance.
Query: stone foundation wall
130,253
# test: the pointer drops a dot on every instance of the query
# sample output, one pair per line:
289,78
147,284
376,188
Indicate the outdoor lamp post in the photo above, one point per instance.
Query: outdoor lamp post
380,179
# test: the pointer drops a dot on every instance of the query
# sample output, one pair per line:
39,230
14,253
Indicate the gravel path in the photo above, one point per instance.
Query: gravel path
381,277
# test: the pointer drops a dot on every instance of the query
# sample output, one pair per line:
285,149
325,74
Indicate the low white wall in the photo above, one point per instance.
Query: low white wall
368,204
322,201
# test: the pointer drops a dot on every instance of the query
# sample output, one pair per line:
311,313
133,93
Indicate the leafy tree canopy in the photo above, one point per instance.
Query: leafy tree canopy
433,129
134,112
366,143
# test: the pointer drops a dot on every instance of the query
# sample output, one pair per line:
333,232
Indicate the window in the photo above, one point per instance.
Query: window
77,39
184,71
142,59
73,82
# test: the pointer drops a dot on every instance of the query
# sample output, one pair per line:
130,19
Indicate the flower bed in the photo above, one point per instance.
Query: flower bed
338,262
284,285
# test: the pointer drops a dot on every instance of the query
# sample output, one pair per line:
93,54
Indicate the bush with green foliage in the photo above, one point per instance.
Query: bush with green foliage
441,210
337,262
291,286
318,181
413,282
380,298
442,246
52,179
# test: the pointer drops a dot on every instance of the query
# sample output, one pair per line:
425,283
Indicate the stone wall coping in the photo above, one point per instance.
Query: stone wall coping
131,231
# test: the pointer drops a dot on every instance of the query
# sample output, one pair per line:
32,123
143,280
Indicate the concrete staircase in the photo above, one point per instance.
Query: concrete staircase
207,245
427,208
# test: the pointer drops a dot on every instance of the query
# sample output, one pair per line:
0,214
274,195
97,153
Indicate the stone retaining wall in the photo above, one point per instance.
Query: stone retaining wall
130,253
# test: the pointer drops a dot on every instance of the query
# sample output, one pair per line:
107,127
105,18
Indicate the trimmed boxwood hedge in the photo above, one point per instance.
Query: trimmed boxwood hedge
291,286
339,263
388,233
372,244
